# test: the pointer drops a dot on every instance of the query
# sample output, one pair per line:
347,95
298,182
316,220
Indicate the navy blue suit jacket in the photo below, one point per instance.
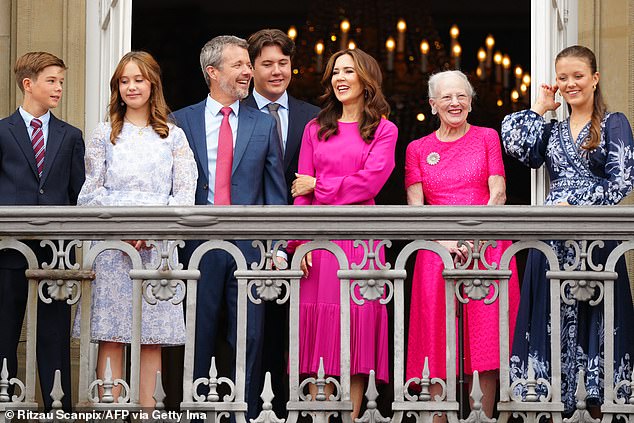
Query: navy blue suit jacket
256,175
62,177
299,114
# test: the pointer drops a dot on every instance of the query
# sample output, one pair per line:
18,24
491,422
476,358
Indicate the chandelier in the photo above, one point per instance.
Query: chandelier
401,36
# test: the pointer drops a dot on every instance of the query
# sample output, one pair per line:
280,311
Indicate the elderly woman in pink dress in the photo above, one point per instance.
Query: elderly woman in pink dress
459,164
347,155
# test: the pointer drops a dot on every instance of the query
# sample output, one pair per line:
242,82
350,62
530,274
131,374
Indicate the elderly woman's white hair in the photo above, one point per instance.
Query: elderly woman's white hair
437,78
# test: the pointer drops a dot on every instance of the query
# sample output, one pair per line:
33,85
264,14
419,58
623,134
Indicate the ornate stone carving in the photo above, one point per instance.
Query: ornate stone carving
213,382
267,286
372,288
60,289
108,384
166,260
320,382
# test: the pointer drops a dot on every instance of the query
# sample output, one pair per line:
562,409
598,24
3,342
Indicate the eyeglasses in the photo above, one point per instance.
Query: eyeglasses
460,98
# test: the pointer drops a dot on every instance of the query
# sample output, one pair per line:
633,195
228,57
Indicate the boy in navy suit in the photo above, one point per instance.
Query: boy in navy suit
41,163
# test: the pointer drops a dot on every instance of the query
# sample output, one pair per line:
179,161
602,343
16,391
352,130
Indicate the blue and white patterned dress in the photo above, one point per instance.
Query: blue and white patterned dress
602,176
140,169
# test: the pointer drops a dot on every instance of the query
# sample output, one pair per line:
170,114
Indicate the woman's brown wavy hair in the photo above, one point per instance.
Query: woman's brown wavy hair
159,111
599,107
374,105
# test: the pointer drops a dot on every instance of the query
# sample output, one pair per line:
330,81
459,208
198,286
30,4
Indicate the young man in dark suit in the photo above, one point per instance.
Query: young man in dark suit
41,163
271,52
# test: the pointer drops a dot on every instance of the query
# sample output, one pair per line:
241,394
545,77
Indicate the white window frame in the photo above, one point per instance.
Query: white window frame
108,37
553,27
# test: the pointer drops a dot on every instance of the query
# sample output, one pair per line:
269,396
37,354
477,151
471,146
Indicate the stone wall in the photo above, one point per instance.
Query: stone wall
56,26
606,27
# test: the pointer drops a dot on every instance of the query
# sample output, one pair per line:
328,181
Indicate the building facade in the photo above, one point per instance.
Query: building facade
91,36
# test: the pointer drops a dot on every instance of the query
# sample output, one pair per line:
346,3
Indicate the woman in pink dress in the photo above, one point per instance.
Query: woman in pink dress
347,155
459,164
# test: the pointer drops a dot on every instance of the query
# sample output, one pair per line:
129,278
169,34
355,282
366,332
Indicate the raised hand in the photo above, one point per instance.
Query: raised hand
546,99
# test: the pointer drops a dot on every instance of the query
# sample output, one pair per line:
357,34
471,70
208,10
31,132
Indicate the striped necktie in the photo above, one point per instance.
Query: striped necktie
37,142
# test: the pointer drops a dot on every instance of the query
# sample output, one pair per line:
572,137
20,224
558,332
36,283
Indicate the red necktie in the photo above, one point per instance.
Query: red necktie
37,142
224,161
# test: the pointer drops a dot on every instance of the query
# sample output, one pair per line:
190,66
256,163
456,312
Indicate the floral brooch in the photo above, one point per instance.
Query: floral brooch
433,158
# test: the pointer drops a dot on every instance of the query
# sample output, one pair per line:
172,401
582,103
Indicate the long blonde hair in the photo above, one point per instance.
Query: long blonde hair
159,111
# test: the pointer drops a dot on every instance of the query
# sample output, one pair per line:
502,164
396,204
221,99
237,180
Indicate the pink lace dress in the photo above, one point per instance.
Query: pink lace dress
454,173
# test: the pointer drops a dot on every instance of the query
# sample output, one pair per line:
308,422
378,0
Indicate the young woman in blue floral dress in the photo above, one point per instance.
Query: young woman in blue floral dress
589,157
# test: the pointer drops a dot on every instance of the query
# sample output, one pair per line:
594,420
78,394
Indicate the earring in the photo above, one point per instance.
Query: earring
122,104
366,93
469,109
594,87
433,111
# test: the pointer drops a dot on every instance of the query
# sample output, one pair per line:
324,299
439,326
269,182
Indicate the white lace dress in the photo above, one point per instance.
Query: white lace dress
142,169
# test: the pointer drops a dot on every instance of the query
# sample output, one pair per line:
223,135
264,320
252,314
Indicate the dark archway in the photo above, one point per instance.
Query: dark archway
174,32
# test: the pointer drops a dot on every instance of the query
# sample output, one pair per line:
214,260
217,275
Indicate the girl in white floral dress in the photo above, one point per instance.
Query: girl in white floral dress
135,159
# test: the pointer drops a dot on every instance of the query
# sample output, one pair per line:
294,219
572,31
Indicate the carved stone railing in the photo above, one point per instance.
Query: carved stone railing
65,280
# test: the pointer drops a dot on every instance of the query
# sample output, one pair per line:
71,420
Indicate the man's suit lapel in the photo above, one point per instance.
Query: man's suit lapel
296,115
56,132
196,122
21,136
250,101
246,124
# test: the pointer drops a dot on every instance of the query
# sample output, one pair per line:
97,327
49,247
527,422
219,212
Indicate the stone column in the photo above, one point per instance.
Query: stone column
7,86
606,28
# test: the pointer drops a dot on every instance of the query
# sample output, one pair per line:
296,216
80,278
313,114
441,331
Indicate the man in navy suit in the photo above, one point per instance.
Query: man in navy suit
41,163
256,179
271,52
